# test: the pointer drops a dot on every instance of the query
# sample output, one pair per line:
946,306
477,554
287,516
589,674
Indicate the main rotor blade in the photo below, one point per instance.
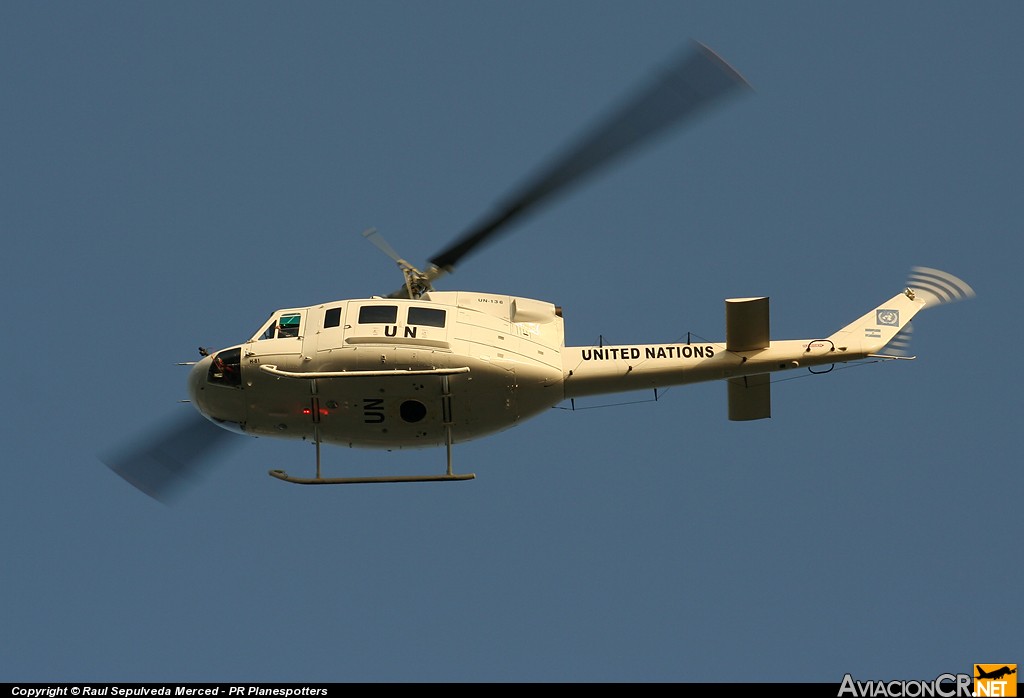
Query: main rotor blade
162,462
693,82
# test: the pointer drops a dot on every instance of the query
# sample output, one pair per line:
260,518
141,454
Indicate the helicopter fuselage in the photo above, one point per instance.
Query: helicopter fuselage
399,373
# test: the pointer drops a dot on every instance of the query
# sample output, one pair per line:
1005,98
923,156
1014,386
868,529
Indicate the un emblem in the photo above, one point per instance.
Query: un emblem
887,317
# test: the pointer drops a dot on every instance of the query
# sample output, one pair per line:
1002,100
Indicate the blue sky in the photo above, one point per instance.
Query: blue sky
173,172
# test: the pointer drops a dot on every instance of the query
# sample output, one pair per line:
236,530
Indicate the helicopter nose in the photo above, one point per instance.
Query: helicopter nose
215,387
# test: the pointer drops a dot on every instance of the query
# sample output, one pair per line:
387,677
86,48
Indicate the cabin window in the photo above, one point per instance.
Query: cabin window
430,317
332,317
372,314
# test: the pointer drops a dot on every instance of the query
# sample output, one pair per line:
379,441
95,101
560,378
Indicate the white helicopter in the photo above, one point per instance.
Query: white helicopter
421,367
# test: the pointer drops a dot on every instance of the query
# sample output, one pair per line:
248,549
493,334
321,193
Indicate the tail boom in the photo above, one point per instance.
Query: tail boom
748,351
613,369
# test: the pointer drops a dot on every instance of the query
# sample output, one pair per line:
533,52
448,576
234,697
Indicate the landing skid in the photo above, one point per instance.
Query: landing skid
448,476
282,475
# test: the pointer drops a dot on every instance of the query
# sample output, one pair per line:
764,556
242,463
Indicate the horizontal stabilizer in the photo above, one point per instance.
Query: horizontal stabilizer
750,397
746,324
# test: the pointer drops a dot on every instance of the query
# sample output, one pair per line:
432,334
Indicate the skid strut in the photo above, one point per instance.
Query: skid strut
448,476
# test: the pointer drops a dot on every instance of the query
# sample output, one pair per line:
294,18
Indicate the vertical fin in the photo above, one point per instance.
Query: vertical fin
877,327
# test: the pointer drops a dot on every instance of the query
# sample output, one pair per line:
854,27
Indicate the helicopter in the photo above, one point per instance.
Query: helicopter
420,367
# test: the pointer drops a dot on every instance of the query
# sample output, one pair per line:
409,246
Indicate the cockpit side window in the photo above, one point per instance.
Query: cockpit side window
430,317
287,325
378,314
